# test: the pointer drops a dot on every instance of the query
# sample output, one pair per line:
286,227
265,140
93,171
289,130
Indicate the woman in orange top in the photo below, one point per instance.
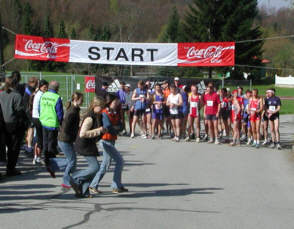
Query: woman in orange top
112,124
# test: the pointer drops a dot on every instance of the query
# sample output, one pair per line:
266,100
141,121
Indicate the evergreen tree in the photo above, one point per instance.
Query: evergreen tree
28,12
48,32
17,14
1,45
172,30
73,34
226,20
62,33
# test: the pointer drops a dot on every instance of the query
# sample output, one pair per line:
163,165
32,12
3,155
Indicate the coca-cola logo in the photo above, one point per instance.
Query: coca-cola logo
48,47
90,84
212,52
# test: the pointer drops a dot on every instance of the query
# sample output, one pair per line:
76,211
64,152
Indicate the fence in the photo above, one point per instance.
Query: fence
70,83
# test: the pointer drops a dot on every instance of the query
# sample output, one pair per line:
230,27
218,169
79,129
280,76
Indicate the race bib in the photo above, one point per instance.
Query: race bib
158,106
194,104
272,108
124,106
148,110
174,111
209,103
253,109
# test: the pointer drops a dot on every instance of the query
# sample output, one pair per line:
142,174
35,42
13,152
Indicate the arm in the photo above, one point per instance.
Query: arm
260,106
59,110
180,100
134,98
108,126
86,131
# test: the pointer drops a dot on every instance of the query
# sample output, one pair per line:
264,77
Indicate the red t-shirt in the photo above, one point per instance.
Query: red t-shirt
211,102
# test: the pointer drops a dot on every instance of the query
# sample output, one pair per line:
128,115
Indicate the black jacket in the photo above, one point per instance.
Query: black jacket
87,146
70,125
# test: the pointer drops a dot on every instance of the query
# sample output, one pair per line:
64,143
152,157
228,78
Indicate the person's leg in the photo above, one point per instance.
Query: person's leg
135,120
277,131
178,127
159,125
253,128
265,131
13,153
273,133
210,131
3,156
258,132
189,127
215,129
148,123
153,127
45,145
238,131
70,155
173,123
119,163
29,138
104,165
197,133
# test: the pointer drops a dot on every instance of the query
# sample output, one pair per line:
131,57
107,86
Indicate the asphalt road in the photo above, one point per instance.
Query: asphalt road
172,185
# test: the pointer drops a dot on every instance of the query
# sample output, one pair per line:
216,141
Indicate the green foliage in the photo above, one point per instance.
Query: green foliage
62,33
226,20
73,34
28,13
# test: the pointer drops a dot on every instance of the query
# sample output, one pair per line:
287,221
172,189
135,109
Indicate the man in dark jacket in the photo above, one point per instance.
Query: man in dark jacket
13,115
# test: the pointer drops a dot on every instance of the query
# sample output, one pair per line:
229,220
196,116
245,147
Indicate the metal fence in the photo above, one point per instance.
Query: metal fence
69,83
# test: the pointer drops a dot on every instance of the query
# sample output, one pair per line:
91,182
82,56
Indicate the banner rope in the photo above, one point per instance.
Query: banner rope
266,38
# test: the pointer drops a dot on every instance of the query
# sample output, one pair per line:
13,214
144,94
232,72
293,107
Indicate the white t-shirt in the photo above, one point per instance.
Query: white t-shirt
36,104
173,99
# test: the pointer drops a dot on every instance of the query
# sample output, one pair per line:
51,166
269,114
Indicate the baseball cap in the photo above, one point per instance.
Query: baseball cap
176,78
128,85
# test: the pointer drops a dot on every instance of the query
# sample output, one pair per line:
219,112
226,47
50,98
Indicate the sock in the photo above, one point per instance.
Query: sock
254,142
257,142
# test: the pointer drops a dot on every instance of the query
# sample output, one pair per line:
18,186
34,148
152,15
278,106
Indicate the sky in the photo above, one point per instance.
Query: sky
274,3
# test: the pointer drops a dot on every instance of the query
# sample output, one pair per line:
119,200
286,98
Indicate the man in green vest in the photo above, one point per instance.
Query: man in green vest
51,116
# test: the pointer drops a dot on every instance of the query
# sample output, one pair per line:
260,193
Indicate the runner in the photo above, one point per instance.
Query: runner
273,106
174,102
184,110
112,124
43,87
210,84
225,112
166,114
121,94
212,108
130,105
254,109
89,133
245,119
194,114
148,111
265,121
68,134
157,111
236,117
140,96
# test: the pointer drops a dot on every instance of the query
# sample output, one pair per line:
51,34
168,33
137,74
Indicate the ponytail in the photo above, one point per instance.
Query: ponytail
75,96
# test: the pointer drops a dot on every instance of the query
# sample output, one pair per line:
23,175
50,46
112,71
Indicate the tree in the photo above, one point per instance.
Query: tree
73,34
48,32
62,33
171,33
28,12
1,46
226,20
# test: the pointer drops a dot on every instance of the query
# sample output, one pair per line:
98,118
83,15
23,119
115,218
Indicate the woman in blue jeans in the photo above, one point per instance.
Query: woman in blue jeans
67,135
85,145
112,125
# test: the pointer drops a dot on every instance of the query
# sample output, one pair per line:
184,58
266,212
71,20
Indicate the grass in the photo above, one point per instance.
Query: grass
287,107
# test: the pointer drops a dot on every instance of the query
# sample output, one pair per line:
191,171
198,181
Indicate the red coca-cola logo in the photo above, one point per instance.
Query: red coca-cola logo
211,52
39,48
215,54
46,47
90,84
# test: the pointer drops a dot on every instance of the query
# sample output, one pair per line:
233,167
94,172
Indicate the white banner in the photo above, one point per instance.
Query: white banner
123,53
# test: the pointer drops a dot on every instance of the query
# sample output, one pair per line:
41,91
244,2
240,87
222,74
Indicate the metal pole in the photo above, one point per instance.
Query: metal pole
66,82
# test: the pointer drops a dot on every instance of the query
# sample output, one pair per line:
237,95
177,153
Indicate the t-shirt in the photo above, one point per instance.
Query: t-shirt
272,103
174,99
36,104
211,102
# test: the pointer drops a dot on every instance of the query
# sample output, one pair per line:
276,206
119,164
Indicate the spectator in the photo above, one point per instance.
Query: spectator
51,116
43,87
13,115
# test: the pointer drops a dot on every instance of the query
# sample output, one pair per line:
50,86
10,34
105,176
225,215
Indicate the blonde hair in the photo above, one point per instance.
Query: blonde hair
96,102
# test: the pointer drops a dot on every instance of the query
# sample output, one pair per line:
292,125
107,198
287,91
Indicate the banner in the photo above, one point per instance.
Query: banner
210,54
89,84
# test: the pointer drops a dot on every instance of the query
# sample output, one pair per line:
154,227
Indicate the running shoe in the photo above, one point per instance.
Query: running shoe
254,144
264,143
94,191
187,139
77,188
132,135
279,147
119,190
216,142
205,137
248,142
257,146
232,144
243,138
144,136
210,141
64,186
197,140
177,139
153,137
272,146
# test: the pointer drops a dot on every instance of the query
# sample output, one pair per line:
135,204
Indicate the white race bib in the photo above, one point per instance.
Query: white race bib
253,109
174,111
148,110
272,108
194,104
209,103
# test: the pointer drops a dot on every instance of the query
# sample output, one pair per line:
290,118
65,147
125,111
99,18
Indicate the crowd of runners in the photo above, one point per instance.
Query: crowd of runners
181,112
35,112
